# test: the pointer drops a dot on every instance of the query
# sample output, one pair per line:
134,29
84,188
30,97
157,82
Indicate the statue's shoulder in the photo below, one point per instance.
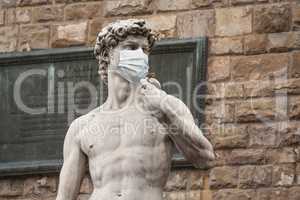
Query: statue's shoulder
83,120
76,128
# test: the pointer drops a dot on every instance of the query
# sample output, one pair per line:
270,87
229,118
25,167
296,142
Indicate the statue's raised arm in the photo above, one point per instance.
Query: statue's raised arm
180,123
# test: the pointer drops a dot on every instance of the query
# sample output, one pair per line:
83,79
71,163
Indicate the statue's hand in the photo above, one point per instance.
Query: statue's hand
153,97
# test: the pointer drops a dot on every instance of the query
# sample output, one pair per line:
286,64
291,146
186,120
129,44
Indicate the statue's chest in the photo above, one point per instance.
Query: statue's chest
107,133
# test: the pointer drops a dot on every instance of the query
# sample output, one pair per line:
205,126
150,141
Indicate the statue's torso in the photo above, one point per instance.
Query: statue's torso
129,155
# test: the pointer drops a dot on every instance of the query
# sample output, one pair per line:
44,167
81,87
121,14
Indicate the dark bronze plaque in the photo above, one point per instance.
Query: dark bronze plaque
41,92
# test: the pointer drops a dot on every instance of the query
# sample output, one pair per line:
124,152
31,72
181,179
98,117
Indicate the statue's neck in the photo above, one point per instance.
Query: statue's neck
121,95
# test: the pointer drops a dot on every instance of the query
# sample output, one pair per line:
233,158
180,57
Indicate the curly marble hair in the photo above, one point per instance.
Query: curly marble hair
116,32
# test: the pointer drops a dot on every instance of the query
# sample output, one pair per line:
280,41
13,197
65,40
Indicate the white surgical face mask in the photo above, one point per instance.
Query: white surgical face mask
133,65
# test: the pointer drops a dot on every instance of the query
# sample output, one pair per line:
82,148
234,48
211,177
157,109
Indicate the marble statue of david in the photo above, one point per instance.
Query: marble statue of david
127,141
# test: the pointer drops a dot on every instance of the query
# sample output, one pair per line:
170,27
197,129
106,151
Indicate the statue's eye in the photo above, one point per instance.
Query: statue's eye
131,47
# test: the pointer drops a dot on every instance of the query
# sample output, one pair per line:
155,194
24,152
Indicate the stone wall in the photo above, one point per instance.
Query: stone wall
252,113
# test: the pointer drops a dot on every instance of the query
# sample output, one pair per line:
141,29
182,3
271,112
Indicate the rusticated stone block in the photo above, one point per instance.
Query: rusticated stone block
229,136
262,135
271,19
272,194
279,194
218,68
255,44
255,176
228,45
282,155
23,15
34,37
233,21
259,88
234,90
220,112
11,188
69,35
233,194
284,175
268,88
223,177
295,69
8,38
288,134
225,90
127,7
48,13
164,24
278,42
195,24
177,181
8,4
83,11
40,186
184,180
263,194
294,108
256,110
294,193
296,17
246,156
172,5
258,67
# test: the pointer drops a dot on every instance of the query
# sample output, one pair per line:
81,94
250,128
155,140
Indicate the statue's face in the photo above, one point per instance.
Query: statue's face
131,43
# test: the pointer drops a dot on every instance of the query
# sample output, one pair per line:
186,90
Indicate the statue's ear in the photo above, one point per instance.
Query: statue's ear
154,82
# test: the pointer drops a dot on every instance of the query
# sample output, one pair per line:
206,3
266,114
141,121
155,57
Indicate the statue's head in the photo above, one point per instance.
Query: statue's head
128,34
